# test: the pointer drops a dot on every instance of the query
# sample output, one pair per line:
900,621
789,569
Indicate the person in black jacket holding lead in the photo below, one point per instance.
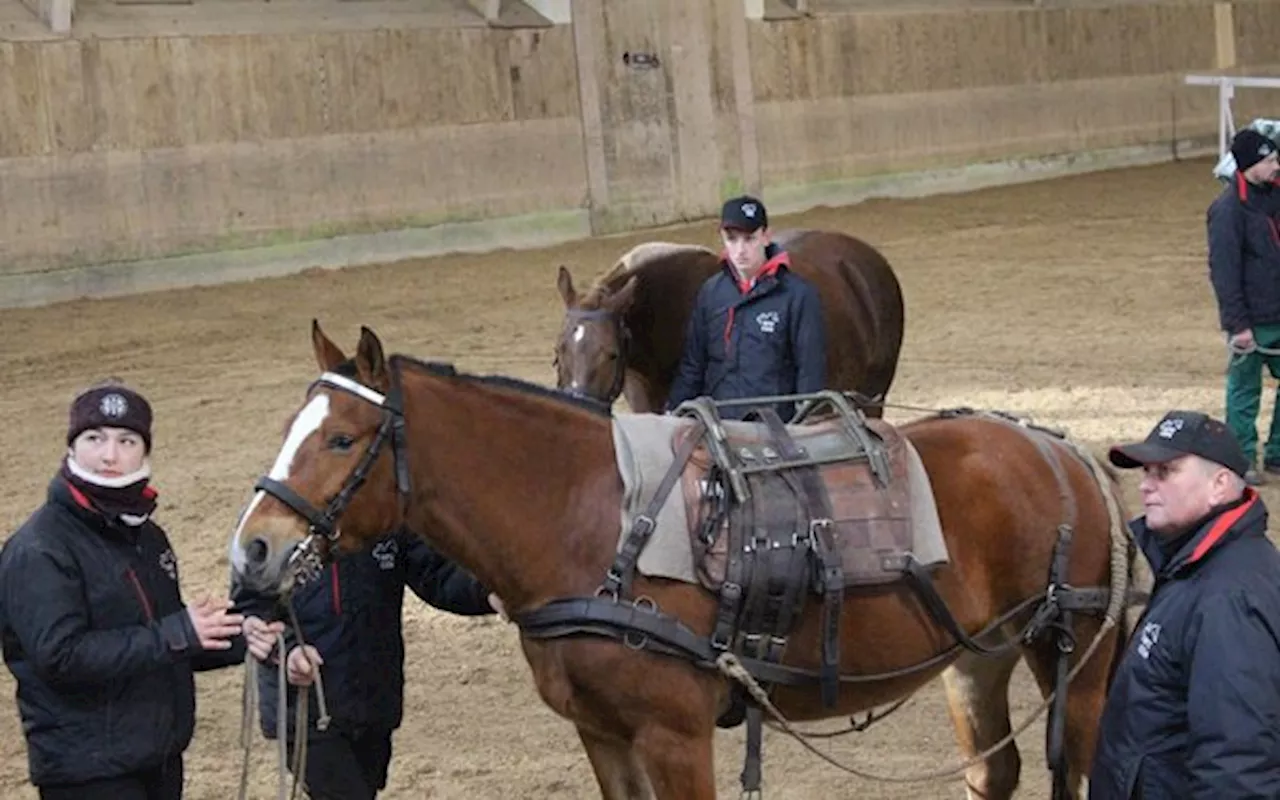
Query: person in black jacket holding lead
1244,268
93,624
351,619
756,327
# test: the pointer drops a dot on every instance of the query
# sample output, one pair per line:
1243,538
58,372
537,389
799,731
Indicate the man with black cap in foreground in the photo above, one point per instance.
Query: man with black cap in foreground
93,624
1194,707
1244,267
756,327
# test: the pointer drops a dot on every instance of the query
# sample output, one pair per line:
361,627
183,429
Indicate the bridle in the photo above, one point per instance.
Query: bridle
306,560
622,333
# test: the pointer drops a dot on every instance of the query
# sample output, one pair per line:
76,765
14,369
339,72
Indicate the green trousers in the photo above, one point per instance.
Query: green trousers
1244,396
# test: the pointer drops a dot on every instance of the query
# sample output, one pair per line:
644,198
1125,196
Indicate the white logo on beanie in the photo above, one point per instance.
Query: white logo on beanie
113,406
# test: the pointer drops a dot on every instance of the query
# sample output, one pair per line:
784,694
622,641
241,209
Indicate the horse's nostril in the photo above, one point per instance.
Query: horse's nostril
256,551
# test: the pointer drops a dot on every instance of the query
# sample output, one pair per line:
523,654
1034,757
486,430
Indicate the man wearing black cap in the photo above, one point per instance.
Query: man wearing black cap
1244,267
93,624
1194,707
756,327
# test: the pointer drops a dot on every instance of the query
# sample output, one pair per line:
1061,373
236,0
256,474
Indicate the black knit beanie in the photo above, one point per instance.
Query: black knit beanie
110,405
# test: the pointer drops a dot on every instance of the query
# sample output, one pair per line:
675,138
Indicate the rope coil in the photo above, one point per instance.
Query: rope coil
295,764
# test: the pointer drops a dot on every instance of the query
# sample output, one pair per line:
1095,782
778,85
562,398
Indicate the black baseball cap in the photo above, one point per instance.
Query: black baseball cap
744,213
1184,433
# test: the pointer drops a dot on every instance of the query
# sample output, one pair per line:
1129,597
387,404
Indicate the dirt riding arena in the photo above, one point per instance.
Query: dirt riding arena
1082,301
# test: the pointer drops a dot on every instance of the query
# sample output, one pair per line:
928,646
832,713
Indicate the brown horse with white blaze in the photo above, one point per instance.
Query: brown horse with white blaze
625,335
463,461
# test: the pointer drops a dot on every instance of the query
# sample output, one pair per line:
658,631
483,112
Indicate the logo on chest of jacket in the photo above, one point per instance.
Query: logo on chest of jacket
385,554
169,563
768,321
1148,638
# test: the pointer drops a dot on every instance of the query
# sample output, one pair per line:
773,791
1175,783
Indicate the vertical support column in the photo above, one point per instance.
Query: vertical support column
1224,31
587,25
744,93
696,152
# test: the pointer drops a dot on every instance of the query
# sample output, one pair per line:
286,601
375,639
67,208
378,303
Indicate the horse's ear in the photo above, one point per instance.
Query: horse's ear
370,363
620,301
328,356
564,282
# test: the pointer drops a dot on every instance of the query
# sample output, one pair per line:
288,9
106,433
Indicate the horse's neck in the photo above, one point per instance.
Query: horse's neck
520,490
659,316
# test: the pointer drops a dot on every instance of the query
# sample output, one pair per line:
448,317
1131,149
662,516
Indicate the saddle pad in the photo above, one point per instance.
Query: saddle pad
643,444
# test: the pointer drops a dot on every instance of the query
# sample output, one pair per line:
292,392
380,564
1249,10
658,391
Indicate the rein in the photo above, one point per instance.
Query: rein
286,764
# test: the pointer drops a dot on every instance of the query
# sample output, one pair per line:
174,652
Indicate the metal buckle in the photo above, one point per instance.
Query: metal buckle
643,525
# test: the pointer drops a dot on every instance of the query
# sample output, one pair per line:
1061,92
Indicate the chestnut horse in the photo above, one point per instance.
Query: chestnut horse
624,336
519,484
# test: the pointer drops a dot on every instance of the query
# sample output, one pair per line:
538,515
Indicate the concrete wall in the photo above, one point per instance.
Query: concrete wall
122,148
130,148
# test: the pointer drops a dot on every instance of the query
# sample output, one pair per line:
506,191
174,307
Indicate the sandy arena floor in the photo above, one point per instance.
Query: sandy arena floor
1081,301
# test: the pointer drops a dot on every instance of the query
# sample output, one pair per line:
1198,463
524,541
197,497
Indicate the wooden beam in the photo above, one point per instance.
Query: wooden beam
489,9
559,12
54,13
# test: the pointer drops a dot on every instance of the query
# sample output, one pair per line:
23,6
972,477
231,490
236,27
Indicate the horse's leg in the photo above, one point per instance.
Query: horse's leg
619,773
680,765
978,699
1085,696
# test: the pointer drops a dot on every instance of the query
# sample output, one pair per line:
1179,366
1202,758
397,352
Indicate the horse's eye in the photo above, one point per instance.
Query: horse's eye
341,442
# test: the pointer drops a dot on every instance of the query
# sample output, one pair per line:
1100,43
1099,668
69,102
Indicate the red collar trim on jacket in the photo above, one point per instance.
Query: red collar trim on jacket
1222,525
769,269
79,497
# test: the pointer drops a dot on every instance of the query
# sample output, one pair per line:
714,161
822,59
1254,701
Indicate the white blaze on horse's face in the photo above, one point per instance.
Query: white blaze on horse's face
579,333
308,421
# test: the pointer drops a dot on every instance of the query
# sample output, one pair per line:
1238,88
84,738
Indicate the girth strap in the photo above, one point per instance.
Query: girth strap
922,583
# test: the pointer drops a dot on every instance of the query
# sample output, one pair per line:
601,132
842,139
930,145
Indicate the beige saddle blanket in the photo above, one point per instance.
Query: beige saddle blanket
645,448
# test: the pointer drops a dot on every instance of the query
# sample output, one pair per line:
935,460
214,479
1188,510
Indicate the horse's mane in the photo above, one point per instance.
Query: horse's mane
447,370
651,261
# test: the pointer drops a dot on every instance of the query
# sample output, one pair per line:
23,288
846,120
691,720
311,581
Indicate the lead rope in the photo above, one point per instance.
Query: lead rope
249,709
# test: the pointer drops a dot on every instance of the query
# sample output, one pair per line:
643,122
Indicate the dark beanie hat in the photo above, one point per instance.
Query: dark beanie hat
110,404
1249,147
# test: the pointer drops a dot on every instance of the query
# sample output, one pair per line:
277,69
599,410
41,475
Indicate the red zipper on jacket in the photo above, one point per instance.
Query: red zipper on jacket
744,287
142,595
337,589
